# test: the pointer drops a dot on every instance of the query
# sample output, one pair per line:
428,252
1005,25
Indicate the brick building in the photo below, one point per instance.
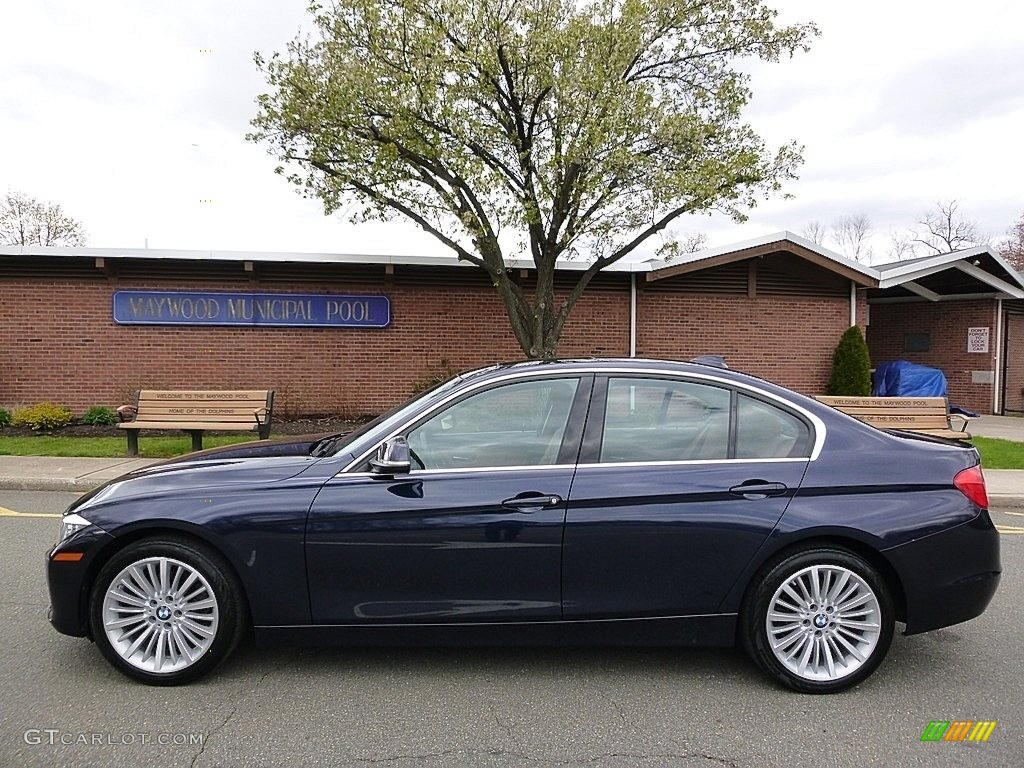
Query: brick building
86,326
961,312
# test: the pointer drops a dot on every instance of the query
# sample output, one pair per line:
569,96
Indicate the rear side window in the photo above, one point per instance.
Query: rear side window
664,420
766,432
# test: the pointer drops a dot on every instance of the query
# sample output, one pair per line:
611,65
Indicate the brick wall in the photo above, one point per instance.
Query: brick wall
786,339
947,323
58,342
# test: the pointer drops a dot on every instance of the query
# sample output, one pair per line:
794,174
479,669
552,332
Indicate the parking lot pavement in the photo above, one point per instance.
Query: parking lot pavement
62,704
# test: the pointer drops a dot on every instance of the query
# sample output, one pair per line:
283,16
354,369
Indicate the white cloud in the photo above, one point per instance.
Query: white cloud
111,109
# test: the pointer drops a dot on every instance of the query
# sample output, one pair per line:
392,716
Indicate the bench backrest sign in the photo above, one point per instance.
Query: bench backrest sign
248,309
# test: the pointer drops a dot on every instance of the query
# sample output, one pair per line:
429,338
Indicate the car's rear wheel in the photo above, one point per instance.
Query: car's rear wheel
166,610
820,620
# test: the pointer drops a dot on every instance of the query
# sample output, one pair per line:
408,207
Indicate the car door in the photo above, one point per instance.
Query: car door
473,532
679,482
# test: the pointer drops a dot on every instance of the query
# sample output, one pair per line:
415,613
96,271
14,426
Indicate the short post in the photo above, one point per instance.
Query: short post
133,441
197,439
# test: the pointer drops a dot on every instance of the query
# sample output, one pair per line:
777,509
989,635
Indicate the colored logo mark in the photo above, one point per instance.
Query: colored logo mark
958,730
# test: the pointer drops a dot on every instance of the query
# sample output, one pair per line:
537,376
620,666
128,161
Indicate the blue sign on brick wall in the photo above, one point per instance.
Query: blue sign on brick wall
248,309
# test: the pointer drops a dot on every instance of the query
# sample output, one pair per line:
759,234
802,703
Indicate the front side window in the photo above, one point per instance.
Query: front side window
664,420
520,424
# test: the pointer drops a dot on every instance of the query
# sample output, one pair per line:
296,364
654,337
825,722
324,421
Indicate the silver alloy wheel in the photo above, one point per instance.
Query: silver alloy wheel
160,615
823,623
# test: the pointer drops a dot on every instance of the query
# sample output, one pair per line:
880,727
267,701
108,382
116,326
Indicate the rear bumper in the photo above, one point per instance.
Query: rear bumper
950,576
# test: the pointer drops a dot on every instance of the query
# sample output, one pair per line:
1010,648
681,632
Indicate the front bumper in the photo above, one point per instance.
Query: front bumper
950,576
69,582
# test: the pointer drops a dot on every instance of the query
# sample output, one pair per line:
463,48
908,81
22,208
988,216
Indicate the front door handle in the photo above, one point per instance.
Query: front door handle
532,502
758,489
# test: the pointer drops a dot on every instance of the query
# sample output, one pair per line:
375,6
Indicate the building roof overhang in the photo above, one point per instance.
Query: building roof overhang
860,274
977,272
654,268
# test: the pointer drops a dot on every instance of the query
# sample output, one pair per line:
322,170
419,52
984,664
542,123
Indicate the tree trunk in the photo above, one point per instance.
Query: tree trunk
534,323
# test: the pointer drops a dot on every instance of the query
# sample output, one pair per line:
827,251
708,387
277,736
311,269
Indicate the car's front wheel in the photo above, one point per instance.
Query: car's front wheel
820,620
166,610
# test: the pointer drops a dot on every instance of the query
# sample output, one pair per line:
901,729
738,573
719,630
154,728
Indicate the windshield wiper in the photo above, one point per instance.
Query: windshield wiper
325,446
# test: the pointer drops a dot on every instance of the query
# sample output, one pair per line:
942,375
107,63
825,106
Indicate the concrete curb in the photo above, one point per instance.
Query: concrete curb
47,484
74,474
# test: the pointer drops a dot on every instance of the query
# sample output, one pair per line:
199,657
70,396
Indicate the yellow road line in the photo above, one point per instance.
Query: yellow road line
1010,529
1007,512
4,512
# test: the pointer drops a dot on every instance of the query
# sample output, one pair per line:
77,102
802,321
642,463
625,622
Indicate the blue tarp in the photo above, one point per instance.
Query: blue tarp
905,379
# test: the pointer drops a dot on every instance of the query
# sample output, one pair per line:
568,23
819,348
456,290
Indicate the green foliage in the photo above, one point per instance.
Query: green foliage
851,366
100,416
573,129
42,416
435,375
5,417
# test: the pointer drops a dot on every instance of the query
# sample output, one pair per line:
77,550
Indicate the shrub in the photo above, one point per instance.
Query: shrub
100,416
851,366
5,417
42,416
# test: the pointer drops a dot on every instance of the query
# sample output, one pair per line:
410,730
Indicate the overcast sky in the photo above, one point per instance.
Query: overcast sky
115,110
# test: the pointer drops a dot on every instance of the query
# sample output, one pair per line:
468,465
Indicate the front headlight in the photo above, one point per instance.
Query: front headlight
71,524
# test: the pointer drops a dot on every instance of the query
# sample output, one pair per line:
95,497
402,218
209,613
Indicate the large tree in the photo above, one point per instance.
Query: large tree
557,128
25,220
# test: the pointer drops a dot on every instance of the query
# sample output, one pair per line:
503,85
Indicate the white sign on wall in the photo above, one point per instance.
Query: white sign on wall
977,339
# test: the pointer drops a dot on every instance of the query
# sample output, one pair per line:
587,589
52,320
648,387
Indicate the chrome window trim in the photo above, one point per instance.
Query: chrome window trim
684,462
453,470
816,422
590,465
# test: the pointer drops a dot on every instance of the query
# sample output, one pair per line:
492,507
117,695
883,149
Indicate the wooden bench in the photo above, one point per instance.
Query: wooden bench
927,415
196,411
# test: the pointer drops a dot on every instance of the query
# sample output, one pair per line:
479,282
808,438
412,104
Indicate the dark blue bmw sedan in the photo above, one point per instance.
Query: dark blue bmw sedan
634,502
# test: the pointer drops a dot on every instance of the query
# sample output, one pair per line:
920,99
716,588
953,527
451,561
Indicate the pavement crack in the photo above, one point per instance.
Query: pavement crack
227,719
618,708
506,727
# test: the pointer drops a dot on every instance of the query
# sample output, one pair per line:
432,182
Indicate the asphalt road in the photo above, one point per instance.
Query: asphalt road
61,704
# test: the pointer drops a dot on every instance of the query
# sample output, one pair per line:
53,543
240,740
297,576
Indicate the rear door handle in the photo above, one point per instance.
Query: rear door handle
532,502
758,489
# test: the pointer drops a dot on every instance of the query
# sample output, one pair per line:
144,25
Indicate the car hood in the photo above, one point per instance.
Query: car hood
255,463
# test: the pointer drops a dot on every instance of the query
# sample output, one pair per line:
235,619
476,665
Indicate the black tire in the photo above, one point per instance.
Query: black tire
231,619
780,571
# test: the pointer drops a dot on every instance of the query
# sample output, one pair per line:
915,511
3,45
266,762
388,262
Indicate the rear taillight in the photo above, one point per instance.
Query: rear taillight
971,483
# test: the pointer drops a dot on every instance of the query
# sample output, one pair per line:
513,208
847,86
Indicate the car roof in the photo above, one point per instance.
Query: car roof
605,363
634,364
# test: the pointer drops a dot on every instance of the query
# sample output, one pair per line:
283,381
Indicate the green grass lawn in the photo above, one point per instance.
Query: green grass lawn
999,454
110,447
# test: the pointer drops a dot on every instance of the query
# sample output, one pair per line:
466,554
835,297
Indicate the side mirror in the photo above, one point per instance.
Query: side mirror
392,457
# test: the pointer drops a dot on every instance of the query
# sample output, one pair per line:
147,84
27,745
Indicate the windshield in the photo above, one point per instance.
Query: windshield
336,444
